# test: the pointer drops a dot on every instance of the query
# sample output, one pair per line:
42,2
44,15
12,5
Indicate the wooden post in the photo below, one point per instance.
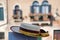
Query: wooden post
39,38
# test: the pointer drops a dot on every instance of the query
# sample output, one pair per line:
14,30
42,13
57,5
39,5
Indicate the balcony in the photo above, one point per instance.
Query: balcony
41,18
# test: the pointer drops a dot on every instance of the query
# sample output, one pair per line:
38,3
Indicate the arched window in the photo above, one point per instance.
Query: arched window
17,12
45,2
35,3
45,7
35,7
17,7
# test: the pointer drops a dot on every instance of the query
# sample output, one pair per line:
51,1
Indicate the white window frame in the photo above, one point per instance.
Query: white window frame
3,22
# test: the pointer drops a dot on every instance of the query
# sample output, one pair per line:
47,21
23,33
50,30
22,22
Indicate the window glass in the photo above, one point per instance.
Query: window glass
57,34
36,10
1,35
45,9
1,13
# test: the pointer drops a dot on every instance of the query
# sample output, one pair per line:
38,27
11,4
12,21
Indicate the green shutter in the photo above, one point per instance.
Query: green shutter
1,14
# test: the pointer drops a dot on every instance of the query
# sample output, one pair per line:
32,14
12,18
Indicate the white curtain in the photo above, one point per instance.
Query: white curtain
45,9
36,10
